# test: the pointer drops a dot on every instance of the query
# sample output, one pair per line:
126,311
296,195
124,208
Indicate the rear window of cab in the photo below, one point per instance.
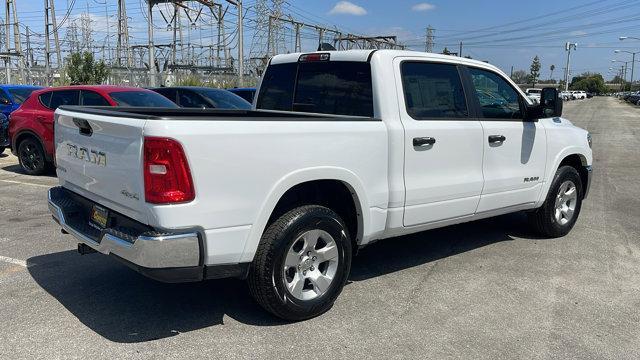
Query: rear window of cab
326,87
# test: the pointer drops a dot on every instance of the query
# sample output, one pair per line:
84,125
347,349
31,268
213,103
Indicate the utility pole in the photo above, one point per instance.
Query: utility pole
240,46
7,33
17,41
568,47
29,55
269,37
298,46
633,65
460,51
47,45
429,40
175,33
152,53
106,16
123,35
320,35
50,24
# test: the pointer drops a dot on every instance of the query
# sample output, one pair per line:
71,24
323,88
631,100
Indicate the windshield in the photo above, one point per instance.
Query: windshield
21,94
223,99
141,99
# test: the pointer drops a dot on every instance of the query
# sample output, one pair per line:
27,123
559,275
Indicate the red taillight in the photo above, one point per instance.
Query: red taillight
167,178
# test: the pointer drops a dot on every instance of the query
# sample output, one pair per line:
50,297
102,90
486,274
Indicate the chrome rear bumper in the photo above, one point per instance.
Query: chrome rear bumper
141,247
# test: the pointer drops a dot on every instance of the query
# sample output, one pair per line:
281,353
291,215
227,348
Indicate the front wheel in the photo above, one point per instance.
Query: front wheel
561,208
302,263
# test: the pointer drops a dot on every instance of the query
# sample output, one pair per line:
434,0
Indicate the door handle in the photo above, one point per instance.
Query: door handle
496,138
423,141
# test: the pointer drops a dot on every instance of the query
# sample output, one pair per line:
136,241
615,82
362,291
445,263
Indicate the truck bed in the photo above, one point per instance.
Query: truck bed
153,113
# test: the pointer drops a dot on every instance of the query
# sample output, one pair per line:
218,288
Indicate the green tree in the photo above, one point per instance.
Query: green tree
552,67
446,51
617,80
83,69
534,71
590,82
520,77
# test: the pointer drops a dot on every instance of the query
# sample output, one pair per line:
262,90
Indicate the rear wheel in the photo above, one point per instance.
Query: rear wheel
31,156
561,208
302,263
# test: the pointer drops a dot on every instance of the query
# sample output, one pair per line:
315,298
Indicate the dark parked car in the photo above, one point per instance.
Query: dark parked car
203,98
12,96
634,98
31,126
4,133
245,93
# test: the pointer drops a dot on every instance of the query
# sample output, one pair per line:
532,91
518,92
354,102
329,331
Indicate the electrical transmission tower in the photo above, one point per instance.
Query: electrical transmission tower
50,25
428,46
123,35
265,42
86,32
9,51
72,38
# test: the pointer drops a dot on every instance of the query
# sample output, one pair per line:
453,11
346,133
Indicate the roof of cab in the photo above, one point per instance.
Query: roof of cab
366,55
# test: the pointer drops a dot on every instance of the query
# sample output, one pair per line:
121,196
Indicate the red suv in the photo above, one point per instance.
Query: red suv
31,126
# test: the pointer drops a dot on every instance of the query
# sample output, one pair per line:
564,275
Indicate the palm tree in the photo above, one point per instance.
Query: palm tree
552,67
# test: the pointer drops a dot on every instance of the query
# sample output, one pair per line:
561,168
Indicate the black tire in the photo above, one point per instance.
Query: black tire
32,157
544,219
2,148
267,281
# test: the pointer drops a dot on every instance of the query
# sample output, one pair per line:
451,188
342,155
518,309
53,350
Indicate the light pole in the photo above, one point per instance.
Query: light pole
633,60
634,54
624,68
568,47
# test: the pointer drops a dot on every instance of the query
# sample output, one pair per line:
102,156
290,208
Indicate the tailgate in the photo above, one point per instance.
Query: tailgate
100,157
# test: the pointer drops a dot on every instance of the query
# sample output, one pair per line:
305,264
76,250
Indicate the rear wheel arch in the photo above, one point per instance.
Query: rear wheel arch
24,134
286,183
336,195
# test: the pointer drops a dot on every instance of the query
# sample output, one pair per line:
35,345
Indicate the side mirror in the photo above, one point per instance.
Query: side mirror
550,103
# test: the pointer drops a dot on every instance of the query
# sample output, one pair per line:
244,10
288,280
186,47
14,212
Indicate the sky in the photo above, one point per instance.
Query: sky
504,33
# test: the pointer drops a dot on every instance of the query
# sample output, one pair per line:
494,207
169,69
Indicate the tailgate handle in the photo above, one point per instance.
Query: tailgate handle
84,127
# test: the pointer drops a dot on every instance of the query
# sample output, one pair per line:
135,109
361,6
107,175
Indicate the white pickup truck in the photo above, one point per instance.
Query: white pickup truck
341,149
534,94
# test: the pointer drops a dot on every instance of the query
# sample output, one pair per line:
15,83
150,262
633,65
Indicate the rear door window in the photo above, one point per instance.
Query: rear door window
433,91
169,93
45,98
191,99
140,98
64,97
92,98
327,87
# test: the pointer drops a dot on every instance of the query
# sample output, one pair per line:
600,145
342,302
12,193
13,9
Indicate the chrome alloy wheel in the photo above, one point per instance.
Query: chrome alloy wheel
310,265
566,201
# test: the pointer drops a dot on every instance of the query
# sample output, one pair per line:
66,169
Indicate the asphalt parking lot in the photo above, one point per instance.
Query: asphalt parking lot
483,290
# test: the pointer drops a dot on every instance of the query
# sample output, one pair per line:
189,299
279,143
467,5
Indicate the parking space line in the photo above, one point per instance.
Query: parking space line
25,183
13,261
